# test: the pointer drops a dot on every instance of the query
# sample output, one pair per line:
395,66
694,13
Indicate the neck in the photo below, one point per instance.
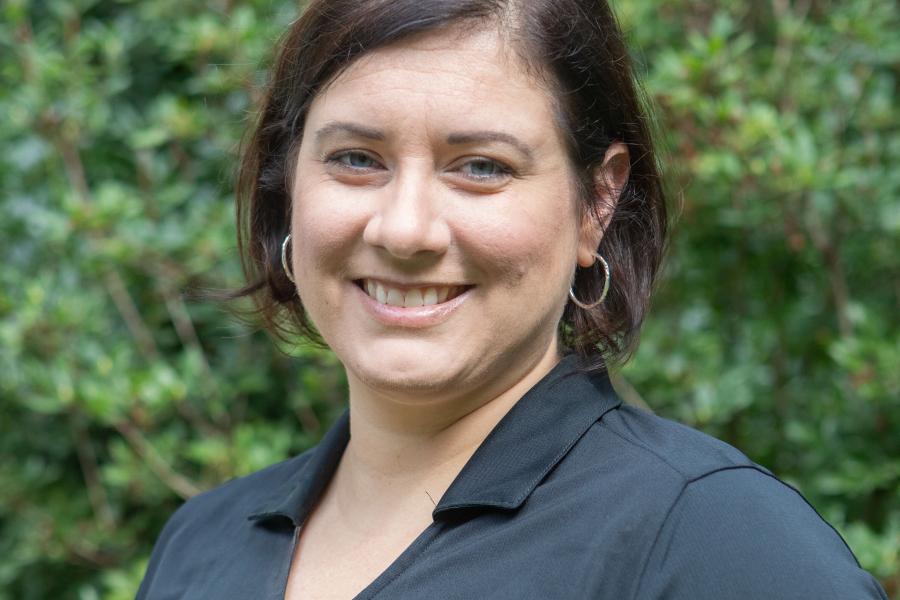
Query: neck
404,454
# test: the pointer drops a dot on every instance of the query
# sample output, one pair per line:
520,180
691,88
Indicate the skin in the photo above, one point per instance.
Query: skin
417,205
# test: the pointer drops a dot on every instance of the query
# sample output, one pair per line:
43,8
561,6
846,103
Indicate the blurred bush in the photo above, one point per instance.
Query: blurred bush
775,327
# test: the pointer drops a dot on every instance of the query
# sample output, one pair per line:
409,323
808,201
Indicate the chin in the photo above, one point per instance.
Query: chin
415,375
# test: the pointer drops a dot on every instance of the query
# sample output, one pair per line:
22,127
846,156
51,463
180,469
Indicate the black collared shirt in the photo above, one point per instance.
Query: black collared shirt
572,495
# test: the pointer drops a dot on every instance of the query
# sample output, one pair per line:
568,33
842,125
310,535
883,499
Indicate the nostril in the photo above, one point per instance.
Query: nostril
407,230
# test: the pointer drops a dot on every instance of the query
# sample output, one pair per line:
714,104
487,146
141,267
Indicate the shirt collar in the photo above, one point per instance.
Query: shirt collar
294,499
527,443
536,433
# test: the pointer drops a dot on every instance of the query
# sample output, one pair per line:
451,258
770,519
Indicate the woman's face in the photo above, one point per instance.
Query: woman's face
432,172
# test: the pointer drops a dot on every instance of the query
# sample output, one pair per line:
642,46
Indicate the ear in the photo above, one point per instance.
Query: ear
609,179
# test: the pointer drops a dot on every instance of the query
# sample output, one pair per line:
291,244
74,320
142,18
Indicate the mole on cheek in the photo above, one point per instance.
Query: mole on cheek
514,269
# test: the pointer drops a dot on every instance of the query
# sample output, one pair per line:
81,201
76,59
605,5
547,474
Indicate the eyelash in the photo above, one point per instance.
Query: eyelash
503,170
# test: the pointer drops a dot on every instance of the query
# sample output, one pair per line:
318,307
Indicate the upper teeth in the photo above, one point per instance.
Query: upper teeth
406,298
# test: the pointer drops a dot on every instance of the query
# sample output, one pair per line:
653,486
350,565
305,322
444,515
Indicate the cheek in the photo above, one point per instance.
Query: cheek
324,230
520,247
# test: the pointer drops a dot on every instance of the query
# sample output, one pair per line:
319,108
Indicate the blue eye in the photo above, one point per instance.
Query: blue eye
484,168
355,160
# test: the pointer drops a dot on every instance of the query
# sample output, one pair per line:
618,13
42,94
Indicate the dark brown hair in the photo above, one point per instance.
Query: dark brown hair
576,44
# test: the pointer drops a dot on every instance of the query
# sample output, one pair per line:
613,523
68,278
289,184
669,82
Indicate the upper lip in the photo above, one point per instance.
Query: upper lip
409,285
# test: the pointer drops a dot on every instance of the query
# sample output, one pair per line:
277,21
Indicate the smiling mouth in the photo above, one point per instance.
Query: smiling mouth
409,297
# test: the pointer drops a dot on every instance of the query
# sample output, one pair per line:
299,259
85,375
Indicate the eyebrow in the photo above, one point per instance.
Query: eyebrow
475,137
454,139
350,128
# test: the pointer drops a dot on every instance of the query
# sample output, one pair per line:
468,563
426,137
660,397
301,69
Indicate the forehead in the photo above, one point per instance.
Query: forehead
474,77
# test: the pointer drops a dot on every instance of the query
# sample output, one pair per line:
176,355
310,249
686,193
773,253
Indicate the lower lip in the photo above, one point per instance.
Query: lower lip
412,317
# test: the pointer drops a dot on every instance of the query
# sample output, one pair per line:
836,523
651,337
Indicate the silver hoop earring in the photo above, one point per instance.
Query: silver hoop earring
602,297
284,260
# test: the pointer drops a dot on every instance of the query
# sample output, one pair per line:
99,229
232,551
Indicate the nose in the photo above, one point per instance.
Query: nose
409,220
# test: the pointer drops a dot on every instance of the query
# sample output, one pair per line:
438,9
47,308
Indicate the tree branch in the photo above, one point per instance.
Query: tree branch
91,472
827,247
181,485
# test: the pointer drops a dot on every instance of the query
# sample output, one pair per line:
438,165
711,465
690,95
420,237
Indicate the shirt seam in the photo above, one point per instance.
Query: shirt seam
646,562
648,450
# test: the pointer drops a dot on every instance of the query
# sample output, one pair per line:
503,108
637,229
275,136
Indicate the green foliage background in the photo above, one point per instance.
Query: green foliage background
775,327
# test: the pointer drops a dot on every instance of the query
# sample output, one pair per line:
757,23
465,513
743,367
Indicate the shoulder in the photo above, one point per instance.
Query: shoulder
740,533
718,525
650,459
221,513
686,453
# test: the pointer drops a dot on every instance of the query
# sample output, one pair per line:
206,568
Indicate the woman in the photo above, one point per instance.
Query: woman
460,198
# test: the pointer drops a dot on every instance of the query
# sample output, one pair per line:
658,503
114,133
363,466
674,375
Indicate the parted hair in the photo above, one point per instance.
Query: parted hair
576,47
